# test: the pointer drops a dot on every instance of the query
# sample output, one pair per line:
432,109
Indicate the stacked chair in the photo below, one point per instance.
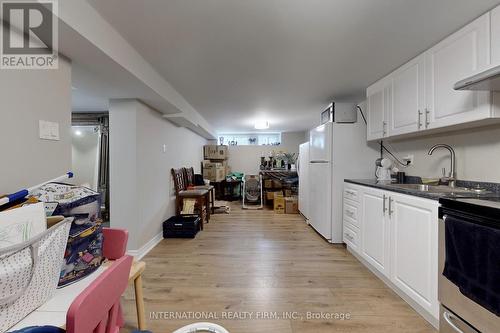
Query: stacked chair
189,174
185,189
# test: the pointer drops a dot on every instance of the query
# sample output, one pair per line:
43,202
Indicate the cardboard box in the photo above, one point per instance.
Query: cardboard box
279,203
288,193
209,164
291,205
213,152
216,174
270,194
277,183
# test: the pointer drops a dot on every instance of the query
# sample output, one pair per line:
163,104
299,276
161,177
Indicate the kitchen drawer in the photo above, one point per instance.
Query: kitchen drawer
351,213
350,236
351,194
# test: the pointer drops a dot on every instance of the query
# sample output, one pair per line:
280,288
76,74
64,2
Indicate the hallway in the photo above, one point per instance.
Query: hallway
266,264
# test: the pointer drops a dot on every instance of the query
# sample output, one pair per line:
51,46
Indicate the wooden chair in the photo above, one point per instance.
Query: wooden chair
181,193
189,178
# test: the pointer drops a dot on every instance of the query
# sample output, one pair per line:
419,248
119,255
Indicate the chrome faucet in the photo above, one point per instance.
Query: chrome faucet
452,175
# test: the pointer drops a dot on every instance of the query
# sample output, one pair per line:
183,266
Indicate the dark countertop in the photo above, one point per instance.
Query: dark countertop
493,189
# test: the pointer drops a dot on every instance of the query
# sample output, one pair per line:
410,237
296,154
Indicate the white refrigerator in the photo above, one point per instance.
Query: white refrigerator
337,151
303,171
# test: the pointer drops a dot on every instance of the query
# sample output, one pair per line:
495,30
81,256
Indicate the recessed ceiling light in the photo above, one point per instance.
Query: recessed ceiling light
78,133
261,124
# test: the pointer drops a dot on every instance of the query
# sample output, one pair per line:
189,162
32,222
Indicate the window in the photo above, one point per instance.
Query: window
250,139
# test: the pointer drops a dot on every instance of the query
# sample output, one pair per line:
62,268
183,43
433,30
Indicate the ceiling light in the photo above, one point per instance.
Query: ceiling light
261,124
78,133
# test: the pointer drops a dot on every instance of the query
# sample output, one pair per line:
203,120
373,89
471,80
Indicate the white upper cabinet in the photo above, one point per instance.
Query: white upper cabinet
378,101
419,96
495,36
408,98
458,56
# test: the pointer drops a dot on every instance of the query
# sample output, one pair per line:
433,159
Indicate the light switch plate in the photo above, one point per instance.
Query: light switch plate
48,130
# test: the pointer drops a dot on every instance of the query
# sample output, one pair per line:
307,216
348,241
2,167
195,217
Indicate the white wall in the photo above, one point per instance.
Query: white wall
141,187
477,150
247,158
27,96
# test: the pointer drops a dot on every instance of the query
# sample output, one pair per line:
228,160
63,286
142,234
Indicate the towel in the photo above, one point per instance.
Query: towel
473,261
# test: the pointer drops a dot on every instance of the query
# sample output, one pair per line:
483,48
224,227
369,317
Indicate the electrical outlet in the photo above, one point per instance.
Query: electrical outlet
408,159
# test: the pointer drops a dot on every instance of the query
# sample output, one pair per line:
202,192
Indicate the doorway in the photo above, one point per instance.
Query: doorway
90,154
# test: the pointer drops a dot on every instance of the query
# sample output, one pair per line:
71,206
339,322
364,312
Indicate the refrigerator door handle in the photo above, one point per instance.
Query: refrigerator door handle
384,208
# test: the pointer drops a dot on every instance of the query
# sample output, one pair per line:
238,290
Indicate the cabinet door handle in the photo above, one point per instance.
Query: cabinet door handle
384,208
449,319
419,119
390,206
427,122
384,128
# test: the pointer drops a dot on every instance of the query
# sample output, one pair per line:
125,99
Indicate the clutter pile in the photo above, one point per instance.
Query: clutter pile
281,190
84,250
50,236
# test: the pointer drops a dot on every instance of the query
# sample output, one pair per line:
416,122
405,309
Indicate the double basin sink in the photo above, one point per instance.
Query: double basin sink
440,189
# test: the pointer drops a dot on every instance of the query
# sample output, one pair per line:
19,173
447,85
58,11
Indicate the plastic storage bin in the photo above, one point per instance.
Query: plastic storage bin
181,226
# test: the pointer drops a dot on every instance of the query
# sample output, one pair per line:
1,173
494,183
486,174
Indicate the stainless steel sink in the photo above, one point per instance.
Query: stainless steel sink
437,189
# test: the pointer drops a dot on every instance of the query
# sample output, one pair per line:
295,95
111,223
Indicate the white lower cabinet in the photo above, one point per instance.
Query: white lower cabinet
398,237
375,226
414,249
351,230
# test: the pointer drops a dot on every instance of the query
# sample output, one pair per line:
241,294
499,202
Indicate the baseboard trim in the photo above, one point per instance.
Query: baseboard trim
417,307
140,253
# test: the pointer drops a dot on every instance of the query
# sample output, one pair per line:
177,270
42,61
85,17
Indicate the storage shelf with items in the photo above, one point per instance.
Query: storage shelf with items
282,186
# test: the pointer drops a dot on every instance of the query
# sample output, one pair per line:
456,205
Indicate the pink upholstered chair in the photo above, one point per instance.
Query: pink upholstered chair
97,309
115,243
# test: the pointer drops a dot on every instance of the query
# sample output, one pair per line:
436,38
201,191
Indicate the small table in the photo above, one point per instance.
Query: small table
138,267
53,312
229,186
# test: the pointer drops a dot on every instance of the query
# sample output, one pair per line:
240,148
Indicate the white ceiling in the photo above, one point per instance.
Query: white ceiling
283,60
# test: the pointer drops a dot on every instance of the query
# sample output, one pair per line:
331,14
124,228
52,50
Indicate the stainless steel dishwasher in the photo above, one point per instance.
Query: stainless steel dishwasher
459,313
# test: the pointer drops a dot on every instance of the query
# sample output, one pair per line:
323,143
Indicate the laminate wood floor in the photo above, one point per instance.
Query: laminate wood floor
273,268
